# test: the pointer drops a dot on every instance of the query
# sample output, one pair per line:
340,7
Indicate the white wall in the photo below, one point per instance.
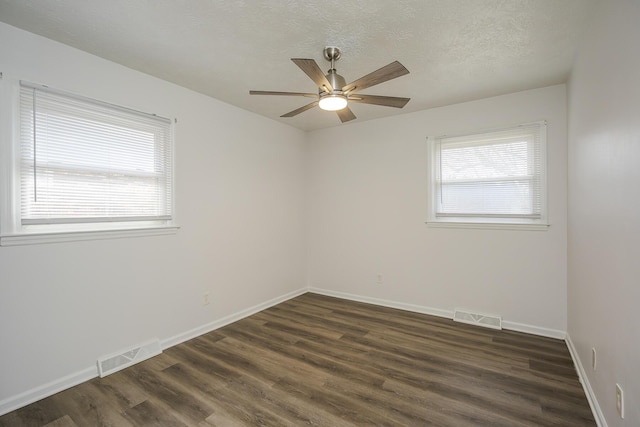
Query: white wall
367,211
604,206
240,201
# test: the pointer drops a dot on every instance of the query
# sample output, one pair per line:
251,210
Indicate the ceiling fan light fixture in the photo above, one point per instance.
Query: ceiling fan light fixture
333,102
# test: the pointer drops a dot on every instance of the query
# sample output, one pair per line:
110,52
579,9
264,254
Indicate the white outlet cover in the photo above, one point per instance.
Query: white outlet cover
620,400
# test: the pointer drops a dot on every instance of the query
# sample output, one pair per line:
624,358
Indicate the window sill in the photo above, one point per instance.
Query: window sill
77,236
488,225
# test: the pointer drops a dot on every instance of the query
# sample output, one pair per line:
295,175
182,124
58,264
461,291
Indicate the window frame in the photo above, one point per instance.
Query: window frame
486,221
13,231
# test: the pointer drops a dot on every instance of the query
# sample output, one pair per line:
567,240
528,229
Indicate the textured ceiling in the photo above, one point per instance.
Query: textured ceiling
455,50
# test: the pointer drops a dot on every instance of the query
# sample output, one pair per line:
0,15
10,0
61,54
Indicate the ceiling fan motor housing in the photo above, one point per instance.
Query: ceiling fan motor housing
336,80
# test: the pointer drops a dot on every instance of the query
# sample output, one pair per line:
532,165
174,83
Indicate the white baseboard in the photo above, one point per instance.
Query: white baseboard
23,399
534,330
584,380
385,303
18,401
201,330
513,326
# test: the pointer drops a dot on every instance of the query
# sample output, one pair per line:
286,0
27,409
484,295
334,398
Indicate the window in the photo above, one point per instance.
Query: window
495,177
82,165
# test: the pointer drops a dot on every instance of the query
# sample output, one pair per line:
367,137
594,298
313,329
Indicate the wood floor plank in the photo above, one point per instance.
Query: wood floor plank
35,415
387,365
65,421
228,405
404,370
81,406
149,414
247,385
322,361
186,406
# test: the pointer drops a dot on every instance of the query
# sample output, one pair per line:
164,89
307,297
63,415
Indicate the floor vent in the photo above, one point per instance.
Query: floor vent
114,362
486,320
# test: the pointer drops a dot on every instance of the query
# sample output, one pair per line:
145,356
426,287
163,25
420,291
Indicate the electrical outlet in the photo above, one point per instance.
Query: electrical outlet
379,279
620,400
593,358
205,298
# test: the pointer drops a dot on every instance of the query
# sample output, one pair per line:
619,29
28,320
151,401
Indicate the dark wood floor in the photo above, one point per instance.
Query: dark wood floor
321,361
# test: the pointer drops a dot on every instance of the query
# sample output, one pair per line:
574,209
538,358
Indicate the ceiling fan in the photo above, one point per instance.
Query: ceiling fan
333,92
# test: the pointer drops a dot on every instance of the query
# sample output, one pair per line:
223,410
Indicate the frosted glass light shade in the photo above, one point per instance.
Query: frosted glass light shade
333,102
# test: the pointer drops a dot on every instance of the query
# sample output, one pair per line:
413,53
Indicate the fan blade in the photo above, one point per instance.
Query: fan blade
345,114
311,69
387,101
300,110
268,92
388,72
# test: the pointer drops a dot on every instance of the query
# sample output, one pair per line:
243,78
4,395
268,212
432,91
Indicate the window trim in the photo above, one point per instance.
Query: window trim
487,221
13,232
78,236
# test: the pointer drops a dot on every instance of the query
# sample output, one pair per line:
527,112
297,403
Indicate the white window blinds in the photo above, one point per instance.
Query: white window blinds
495,175
85,161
